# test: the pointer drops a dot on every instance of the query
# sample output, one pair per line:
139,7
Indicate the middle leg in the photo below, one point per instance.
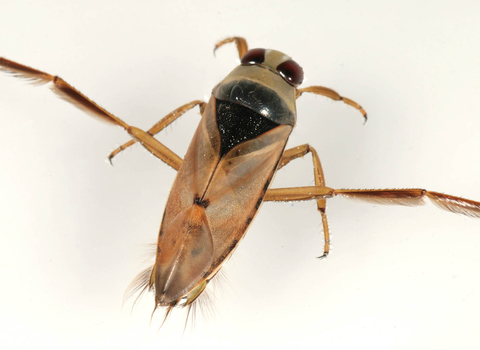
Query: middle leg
159,126
300,151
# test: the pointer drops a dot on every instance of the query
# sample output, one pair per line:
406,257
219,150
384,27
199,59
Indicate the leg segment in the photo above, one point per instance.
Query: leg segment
155,147
408,197
241,43
162,124
300,151
320,90
68,93
412,197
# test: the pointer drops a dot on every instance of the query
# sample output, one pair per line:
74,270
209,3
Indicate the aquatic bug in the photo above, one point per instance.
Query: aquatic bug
226,173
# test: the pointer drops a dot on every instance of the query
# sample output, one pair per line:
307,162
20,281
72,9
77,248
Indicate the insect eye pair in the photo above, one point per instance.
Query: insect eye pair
289,70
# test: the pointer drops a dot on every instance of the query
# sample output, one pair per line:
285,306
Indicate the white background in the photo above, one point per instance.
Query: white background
75,231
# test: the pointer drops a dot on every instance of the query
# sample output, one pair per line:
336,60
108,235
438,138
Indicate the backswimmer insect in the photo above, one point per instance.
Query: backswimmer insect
226,173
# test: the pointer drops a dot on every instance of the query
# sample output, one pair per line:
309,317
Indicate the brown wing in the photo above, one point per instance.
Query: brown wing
238,186
211,204
185,244
66,91
184,253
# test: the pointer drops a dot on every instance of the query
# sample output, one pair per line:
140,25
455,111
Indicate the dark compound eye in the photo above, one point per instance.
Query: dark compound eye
291,72
254,56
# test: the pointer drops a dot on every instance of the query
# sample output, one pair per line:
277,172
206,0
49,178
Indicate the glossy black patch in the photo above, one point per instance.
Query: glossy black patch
258,97
238,124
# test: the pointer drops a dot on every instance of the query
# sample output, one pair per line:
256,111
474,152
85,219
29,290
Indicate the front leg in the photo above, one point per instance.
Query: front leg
162,124
332,94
